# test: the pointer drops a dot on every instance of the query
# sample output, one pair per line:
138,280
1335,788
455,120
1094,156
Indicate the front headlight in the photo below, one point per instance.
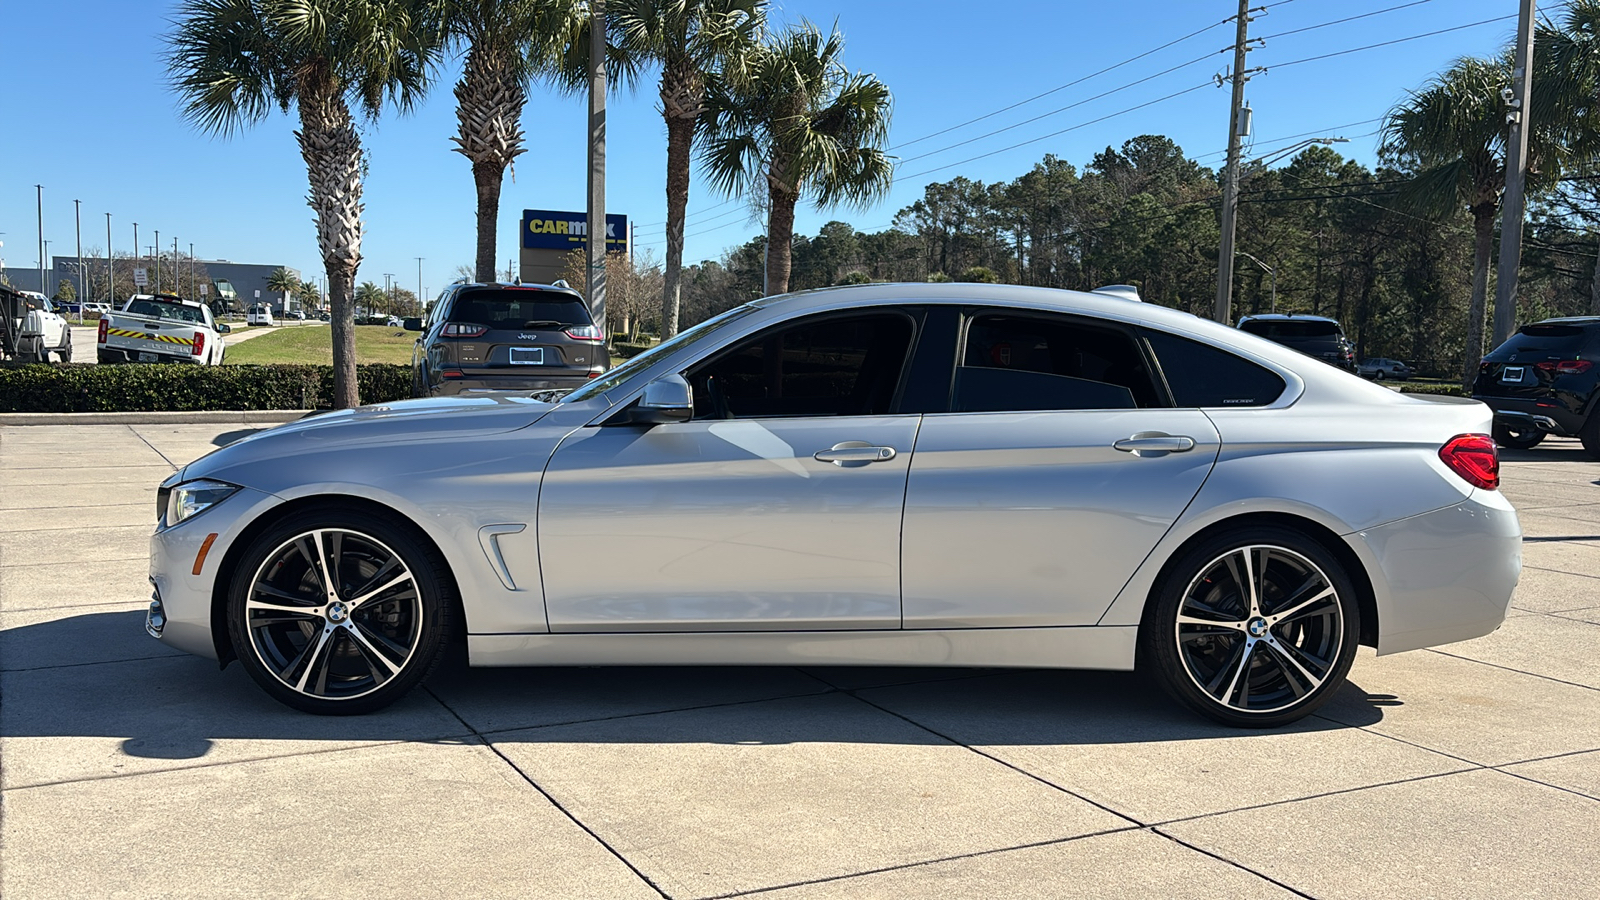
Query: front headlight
192,498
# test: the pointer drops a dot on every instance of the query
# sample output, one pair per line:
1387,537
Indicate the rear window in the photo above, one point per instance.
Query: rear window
512,309
1545,338
1273,329
176,312
1202,375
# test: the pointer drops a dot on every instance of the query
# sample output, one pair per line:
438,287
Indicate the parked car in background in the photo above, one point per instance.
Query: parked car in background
517,337
260,314
927,474
1315,336
1542,381
1379,368
37,328
161,328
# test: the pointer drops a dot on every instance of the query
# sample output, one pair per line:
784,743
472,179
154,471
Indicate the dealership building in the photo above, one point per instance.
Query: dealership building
239,282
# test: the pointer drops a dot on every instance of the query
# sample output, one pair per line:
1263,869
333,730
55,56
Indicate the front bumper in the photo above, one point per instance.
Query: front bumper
1443,576
184,592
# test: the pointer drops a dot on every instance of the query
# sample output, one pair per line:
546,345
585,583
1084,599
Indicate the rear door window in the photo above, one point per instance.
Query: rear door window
1022,362
519,309
1546,339
1199,374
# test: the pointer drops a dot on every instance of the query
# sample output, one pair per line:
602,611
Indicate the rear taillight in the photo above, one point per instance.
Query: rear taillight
1473,457
464,329
103,326
1564,367
451,373
585,333
199,343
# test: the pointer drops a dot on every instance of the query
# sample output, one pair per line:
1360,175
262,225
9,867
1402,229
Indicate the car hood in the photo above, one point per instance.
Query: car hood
454,418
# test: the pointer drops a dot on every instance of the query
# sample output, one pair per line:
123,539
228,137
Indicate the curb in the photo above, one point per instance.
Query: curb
200,417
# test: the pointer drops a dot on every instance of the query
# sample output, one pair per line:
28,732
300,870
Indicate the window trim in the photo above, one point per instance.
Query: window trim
970,313
1293,385
916,314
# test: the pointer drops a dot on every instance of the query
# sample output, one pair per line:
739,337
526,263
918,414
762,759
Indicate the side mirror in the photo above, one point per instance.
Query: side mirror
414,323
223,328
665,400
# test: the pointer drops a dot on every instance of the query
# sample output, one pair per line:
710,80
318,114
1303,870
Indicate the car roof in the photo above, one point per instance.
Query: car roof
167,298
1571,320
1285,317
464,285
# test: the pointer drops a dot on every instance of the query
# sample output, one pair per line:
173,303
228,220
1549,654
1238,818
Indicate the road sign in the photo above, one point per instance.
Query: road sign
258,294
205,289
547,229
140,277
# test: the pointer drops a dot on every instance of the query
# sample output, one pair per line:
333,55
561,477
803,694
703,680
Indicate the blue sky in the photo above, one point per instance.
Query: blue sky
88,115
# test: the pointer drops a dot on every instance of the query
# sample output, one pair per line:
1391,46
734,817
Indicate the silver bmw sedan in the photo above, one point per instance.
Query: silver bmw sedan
924,474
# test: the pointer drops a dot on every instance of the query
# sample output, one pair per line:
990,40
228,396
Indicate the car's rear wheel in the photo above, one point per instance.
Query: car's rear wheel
339,612
1516,438
1253,627
1378,375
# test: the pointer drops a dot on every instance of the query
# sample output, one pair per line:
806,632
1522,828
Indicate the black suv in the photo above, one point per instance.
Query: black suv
1543,381
1312,335
506,337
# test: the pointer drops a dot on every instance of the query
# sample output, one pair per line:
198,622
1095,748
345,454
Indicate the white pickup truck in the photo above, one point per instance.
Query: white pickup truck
161,328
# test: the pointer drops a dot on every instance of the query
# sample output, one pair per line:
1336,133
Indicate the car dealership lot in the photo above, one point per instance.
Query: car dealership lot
1473,770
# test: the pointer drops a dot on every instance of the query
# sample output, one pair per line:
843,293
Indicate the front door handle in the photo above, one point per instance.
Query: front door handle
1155,443
854,453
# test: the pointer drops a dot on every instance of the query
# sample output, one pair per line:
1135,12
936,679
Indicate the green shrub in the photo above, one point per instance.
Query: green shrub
628,350
180,388
1429,387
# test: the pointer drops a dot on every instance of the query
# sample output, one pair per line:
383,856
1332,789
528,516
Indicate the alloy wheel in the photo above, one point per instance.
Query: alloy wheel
1259,628
334,614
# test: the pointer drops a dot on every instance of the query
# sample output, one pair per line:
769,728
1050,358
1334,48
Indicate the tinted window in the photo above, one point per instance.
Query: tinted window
1544,339
1202,375
161,310
832,367
511,309
1275,329
1019,363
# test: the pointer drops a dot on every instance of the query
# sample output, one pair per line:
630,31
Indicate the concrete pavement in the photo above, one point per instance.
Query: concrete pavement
125,768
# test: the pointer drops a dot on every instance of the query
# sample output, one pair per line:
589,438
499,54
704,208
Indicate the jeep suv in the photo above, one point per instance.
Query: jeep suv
1543,381
507,337
1312,335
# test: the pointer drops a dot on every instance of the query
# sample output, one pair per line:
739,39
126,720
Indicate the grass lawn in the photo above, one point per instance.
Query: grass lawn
314,346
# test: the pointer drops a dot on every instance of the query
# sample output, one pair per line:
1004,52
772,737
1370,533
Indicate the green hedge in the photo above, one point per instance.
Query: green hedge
181,388
1427,387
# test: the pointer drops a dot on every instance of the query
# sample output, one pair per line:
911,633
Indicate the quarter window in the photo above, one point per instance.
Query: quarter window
1014,363
830,367
1202,375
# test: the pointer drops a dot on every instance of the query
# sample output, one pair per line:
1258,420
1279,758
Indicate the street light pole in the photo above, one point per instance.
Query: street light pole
155,254
135,258
419,285
191,271
40,189
111,270
83,274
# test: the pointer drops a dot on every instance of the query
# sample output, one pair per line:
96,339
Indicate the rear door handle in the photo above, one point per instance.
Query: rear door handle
851,453
1155,443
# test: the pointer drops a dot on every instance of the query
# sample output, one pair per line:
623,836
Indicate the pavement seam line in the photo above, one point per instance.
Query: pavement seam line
1547,784
1510,669
1223,859
152,447
1053,842
549,797
653,712
1472,767
95,662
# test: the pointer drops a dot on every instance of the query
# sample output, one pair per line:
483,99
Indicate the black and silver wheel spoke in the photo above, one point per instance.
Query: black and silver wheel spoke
1288,604
320,636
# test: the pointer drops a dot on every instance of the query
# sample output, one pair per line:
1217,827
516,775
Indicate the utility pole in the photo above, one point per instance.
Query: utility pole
596,231
1230,183
83,274
192,294
177,283
111,267
135,259
40,189
420,301
1518,98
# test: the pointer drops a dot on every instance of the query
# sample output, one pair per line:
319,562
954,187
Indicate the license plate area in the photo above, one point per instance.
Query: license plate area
1512,374
527,356
149,357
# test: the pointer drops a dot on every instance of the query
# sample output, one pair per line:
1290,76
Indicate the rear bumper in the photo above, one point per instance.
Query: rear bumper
1527,413
453,386
1443,576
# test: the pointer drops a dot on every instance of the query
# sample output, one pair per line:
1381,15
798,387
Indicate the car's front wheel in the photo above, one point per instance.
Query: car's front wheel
339,612
1253,627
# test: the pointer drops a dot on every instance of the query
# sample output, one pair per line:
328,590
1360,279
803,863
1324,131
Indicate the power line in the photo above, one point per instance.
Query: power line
1414,37
1368,15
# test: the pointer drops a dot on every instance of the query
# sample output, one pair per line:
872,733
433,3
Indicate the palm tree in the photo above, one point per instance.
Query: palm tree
232,61
371,298
285,282
798,120
508,43
1453,132
691,39
1566,93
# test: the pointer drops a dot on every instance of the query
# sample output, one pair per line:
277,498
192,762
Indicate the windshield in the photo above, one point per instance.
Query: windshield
159,309
1274,329
510,309
684,338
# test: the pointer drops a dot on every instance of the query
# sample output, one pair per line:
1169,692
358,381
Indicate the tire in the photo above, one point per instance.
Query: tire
380,636
1589,434
1378,375
1251,669
1516,439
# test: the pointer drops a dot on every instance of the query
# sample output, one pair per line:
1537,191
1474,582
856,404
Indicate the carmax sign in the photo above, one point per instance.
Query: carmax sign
546,229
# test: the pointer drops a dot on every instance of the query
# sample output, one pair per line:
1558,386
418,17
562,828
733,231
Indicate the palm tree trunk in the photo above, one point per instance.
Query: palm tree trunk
1482,246
780,237
332,152
487,177
680,135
